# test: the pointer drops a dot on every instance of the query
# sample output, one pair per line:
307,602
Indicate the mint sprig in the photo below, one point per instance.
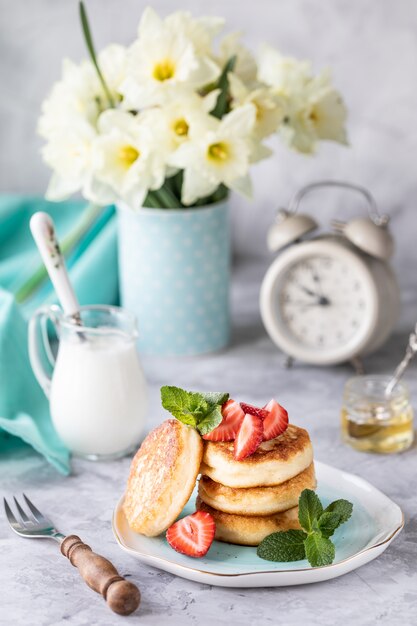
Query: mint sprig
201,410
283,546
313,541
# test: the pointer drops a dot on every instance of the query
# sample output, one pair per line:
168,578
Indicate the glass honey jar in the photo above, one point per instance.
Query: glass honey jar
373,421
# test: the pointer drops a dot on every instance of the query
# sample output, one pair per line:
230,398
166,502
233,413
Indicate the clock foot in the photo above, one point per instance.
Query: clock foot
357,365
288,362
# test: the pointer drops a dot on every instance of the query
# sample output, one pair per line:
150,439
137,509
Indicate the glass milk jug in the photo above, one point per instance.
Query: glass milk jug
97,392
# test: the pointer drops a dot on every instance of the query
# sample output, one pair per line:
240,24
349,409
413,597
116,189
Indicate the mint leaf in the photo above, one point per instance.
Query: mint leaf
328,523
210,421
309,510
343,508
200,410
187,406
215,397
283,546
319,550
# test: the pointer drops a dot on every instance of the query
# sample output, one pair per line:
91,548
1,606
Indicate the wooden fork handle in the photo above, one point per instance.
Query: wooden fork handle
122,596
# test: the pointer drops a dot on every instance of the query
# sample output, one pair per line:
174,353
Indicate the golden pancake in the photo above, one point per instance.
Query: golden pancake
256,500
273,463
162,477
246,530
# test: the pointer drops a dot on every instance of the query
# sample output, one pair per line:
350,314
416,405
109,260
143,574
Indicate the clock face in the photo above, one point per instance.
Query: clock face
323,301
319,302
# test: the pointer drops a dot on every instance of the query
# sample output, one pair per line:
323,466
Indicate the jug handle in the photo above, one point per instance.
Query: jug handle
41,315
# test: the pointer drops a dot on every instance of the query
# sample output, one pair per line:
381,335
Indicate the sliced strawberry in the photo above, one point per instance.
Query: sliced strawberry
228,427
249,436
254,410
276,422
192,535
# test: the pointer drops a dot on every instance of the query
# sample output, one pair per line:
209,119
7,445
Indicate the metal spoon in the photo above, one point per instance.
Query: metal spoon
43,231
410,352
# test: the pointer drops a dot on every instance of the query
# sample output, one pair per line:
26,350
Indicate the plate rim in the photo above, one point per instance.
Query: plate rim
355,556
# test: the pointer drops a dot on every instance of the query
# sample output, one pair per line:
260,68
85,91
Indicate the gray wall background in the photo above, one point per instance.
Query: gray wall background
371,46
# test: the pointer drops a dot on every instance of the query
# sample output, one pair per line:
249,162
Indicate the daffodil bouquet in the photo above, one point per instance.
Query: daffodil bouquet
176,119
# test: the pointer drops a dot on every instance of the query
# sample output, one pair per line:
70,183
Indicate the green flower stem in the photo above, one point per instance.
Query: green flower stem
68,243
90,46
163,198
168,198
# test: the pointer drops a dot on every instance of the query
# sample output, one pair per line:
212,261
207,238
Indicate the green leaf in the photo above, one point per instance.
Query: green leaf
210,421
215,397
328,523
167,198
222,105
309,510
319,550
283,546
343,508
90,46
200,410
187,406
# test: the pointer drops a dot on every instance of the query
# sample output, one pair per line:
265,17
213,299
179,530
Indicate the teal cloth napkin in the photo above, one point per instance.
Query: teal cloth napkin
88,239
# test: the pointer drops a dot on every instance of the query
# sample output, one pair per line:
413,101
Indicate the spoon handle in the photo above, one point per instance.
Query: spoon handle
43,231
410,352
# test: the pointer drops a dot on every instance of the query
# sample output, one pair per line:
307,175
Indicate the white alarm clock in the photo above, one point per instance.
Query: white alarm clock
332,298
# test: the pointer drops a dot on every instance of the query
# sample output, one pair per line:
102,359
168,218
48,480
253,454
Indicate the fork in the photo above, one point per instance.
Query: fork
122,596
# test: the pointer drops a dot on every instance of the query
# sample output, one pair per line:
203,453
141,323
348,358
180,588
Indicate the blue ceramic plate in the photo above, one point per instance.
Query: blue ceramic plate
375,521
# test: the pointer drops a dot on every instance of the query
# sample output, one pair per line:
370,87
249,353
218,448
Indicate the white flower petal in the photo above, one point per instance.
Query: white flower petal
242,185
210,100
150,22
61,187
196,185
239,121
286,74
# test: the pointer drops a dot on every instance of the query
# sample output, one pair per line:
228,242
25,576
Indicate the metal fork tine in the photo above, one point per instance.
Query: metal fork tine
38,515
23,515
12,520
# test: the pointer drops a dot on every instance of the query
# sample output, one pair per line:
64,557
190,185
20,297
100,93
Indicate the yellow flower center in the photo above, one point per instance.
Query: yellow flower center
259,111
164,70
314,116
218,151
128,155
181,128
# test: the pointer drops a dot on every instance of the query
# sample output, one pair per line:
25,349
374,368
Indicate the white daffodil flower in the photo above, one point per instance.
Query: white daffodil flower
160,58
73,97
112,62
270,107
220,154
68,153
125,161
200,31
181,118
314,110
245,67
287,75
327,111
315,113
79,93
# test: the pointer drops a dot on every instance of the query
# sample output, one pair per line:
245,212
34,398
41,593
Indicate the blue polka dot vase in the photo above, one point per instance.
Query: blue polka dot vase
174,268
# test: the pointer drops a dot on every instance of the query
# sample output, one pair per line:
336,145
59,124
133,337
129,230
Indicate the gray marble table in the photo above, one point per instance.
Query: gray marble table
38,587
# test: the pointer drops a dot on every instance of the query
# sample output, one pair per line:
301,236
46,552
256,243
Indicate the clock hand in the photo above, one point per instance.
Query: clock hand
321,301
316,278
308,291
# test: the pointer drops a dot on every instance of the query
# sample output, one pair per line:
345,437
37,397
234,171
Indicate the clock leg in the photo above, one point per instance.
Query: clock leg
288,362
357,365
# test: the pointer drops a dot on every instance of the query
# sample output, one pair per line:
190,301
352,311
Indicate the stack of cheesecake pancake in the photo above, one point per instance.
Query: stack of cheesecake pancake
252,472
253,497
